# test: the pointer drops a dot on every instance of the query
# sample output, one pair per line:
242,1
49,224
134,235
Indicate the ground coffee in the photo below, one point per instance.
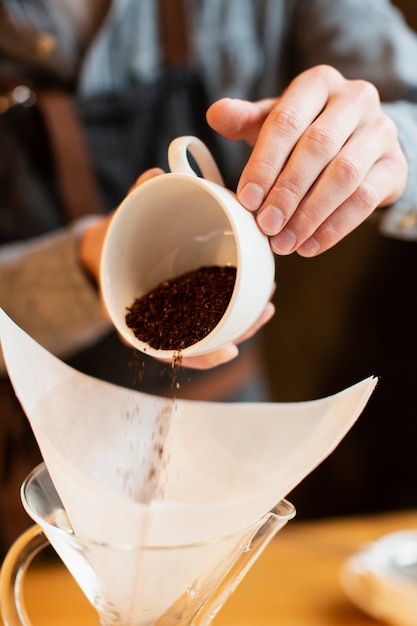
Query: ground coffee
180,312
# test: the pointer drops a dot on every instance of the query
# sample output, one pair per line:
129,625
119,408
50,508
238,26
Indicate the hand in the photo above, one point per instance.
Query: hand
324,157
90,252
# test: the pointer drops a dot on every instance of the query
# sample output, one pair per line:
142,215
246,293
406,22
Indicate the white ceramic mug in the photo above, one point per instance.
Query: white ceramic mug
179,222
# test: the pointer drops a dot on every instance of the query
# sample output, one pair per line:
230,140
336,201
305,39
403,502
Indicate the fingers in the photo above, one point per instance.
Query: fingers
351,212
91,245
315,150
288,121
212,359
353,176
239,119
291,116
151,173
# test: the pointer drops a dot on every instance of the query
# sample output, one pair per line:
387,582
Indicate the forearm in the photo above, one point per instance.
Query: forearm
46,291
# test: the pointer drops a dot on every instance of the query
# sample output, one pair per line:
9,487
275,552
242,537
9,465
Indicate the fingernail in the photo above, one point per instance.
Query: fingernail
251,196
270,220
309,247
284,242
269,312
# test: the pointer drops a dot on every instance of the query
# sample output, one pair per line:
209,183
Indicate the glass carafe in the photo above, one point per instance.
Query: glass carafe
167,585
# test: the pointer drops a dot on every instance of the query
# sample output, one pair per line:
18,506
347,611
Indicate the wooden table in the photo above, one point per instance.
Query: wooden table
293,583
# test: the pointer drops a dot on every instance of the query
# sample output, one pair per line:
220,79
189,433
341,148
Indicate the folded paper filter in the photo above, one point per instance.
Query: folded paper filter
132,468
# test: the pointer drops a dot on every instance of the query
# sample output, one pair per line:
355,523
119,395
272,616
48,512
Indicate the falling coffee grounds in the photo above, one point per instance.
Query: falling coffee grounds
180,312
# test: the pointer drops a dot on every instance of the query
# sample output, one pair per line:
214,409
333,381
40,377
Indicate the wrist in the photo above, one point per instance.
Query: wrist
89,234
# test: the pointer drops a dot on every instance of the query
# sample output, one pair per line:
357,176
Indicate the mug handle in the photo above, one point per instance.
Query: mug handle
12,574
178,158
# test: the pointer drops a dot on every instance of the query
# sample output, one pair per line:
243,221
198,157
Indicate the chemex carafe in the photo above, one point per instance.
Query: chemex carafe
215,567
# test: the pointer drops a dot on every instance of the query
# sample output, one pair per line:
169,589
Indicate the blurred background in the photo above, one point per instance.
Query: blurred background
356,310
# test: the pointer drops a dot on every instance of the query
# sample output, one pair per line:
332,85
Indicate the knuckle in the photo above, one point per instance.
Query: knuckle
284,119
304,221
388,127
366,198
324,72
327,236
318,140
308,220
265,168
365,91
347,170
288,191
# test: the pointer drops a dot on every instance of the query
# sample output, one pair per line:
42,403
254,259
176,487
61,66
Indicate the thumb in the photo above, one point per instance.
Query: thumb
239,119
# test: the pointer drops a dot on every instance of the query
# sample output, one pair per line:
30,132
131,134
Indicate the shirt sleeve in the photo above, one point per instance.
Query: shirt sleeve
400,220
44,289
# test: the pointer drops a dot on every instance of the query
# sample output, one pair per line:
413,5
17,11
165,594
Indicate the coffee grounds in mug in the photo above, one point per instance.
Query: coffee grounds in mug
182,311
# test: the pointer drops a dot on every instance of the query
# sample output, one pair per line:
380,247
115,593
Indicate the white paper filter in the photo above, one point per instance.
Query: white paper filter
139,469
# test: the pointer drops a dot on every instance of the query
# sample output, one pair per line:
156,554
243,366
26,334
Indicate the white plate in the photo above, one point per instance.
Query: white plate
381,579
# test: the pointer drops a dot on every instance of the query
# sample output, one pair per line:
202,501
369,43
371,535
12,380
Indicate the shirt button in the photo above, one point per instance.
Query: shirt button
45,45
407,221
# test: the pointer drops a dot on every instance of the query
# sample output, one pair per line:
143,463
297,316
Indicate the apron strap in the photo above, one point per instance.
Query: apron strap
174,33
78,188
77,181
